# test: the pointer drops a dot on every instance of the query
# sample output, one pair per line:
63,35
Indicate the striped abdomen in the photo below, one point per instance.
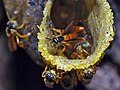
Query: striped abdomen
70,36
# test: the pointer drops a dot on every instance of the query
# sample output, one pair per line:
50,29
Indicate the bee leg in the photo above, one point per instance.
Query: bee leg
59,76
21,26
81,56
81,52
53,36
64,48
59,73
23,36
66,43
81,38
57,30
78,55
20,44
85,51
43,74
7,33
11,19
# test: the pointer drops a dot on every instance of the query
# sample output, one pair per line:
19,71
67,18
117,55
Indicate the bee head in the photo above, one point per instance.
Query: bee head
55,40
58,40
50,76
12,24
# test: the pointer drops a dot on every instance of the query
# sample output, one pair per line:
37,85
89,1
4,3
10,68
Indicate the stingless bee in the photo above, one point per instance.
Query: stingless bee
70,33
79,50
86,75
72,41
13,35
51,76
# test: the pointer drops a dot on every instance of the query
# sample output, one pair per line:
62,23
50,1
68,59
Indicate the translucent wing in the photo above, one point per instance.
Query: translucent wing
73,28
72,46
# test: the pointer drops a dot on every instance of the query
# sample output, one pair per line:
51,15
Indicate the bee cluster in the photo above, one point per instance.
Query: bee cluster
71,56
73,42
67,80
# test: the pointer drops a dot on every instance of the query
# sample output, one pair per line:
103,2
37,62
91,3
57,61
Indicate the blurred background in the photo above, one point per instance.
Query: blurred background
19,72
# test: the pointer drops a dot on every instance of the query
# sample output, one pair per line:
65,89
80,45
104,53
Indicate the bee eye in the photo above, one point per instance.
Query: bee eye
55,40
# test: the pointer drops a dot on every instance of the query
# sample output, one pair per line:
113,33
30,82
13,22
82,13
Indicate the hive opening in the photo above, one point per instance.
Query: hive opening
99,22
63,13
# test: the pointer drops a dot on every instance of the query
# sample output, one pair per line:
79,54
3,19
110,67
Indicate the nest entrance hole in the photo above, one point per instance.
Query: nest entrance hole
65,11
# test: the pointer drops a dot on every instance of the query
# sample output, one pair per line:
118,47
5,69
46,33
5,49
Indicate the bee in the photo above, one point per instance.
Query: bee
86,74
79,51
13,35
51,77
67,35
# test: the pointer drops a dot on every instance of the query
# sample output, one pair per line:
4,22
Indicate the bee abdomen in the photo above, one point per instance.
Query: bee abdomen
70,36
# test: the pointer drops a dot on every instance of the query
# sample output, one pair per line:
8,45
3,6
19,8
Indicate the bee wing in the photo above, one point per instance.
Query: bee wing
12,44
73,43
68,29
72,46
73,28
